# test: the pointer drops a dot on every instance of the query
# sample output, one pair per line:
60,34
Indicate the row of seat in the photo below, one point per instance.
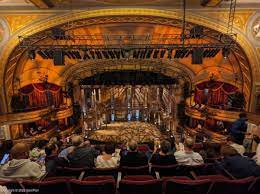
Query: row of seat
155,170
142,184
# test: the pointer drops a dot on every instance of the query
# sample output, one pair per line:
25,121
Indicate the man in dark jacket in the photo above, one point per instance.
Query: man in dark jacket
83,154
237,165
133,158
239,128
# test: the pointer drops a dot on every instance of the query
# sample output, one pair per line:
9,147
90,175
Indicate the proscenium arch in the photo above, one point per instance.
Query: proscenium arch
84,69
164,14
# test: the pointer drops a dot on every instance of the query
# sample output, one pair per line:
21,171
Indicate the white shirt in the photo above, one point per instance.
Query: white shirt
188,158
112,163
239,148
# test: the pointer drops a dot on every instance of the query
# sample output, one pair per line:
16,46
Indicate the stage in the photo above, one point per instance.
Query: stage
125,131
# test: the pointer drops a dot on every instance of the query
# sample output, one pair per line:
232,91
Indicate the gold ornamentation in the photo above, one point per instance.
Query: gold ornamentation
240,19
130,12
17,22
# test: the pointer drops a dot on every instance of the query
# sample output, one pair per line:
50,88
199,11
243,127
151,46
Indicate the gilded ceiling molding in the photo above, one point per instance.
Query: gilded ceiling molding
17,22
240,20
61,19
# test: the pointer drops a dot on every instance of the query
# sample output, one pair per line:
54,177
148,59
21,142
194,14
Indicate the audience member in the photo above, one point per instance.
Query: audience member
83,155
133,158
237,165
150,151
164,157
188,156
20,166
239,128
108,159
51,151
239,148
38,152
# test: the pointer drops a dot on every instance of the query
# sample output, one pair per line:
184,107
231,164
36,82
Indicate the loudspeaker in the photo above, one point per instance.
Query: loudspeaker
58,58
197,56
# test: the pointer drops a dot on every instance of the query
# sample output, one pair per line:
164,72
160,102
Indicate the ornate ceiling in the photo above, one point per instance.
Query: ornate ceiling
115,21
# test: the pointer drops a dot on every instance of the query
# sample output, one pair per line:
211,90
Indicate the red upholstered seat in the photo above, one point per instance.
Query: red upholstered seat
138,177
255,187
93,187
212,177
48,187
240,186
140,170
140,187
178,186
99,178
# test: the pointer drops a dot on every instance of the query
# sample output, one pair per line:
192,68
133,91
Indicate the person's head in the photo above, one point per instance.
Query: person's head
132,145
165,146
150,145
86,143
76,140
242,115
20,151
51,149
227,150
188,143
109,148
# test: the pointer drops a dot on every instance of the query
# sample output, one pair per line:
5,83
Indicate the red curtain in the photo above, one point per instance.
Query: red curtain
213,92
42,94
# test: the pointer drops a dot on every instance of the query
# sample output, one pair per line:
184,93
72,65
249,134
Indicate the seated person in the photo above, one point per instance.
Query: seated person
239,148
20,166
164,157
188,156
38,150
83,154
108,159
51,151
133,158
237,165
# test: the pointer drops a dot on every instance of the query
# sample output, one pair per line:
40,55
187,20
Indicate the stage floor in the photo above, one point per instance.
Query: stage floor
126,131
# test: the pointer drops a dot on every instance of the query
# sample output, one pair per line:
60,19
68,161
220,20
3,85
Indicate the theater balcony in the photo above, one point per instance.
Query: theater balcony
203,113
32,116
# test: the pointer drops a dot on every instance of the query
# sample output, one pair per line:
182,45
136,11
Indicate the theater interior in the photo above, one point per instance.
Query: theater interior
130,73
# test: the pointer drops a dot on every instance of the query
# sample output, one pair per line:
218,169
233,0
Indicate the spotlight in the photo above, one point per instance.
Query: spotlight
162,53
31,54
105,54
42,54
117,54
155,54
86,56
98,53
169,53
225,52
149,53
92,53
